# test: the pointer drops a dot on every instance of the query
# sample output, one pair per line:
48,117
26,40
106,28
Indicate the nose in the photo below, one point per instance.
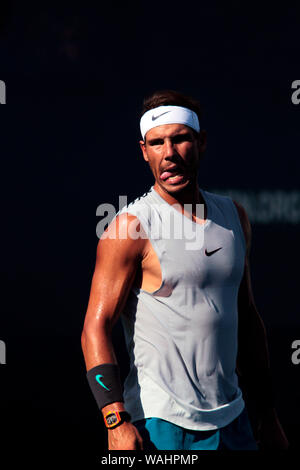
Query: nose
169,148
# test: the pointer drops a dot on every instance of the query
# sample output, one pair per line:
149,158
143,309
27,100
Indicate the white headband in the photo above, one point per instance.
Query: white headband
168,115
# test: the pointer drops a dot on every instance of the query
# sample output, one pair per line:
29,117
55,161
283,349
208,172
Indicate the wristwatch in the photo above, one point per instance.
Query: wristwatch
112,419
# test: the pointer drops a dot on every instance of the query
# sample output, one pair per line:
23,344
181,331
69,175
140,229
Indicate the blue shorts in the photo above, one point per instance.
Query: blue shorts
163,435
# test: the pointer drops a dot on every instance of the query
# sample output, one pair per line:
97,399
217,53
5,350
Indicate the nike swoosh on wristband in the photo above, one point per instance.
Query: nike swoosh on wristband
98,377
156,117
209,253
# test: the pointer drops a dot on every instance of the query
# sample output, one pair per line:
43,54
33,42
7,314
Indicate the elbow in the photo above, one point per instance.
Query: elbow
89,330
83,339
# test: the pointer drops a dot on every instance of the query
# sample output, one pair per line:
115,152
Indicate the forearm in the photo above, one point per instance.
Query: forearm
97,345
254,339
98,349
253,360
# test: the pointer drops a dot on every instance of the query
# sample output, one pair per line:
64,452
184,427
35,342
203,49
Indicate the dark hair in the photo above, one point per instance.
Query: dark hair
172,98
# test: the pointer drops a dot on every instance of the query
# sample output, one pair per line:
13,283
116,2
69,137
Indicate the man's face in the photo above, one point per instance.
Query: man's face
173,153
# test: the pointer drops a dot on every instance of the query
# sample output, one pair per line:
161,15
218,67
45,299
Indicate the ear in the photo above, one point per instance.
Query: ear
144,151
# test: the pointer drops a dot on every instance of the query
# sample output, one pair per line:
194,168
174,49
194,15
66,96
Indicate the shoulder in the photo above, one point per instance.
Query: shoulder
245,222
222,201
123,236
139,203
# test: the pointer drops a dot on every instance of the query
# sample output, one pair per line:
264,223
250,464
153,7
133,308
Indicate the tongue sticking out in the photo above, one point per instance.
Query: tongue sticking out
172,177
166,175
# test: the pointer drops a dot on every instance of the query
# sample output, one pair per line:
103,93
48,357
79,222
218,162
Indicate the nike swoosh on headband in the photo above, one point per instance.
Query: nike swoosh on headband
98,377
209,253
156,117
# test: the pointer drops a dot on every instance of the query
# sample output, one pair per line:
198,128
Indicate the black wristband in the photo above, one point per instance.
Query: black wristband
105,383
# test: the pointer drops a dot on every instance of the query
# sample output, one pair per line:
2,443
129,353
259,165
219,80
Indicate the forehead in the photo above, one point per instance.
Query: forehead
167,130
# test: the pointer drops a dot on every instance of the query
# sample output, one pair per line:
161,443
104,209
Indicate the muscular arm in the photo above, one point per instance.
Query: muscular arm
253,364
253,357
116,264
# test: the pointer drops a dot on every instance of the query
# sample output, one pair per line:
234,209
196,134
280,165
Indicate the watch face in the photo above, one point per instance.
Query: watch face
111,419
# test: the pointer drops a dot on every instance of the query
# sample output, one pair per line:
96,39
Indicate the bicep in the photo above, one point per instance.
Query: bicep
116,264
245,297
249,319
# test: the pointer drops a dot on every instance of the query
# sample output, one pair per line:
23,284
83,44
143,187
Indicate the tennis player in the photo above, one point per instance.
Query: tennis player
174,266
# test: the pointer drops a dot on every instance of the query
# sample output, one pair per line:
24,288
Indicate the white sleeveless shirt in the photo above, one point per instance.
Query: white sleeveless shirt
182,338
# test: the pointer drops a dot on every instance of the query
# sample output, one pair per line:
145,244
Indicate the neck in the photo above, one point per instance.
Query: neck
188,195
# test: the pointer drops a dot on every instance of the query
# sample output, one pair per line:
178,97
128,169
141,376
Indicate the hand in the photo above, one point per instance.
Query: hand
124,437
270,433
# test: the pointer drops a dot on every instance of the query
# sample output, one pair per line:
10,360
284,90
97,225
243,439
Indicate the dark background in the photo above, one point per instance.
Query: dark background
75,78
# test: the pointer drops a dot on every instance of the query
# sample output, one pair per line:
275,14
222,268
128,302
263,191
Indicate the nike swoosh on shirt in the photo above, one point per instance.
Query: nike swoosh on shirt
209,253
98,377
156,117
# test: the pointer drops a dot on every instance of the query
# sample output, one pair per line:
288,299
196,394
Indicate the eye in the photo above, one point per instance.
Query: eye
182,138
156,142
